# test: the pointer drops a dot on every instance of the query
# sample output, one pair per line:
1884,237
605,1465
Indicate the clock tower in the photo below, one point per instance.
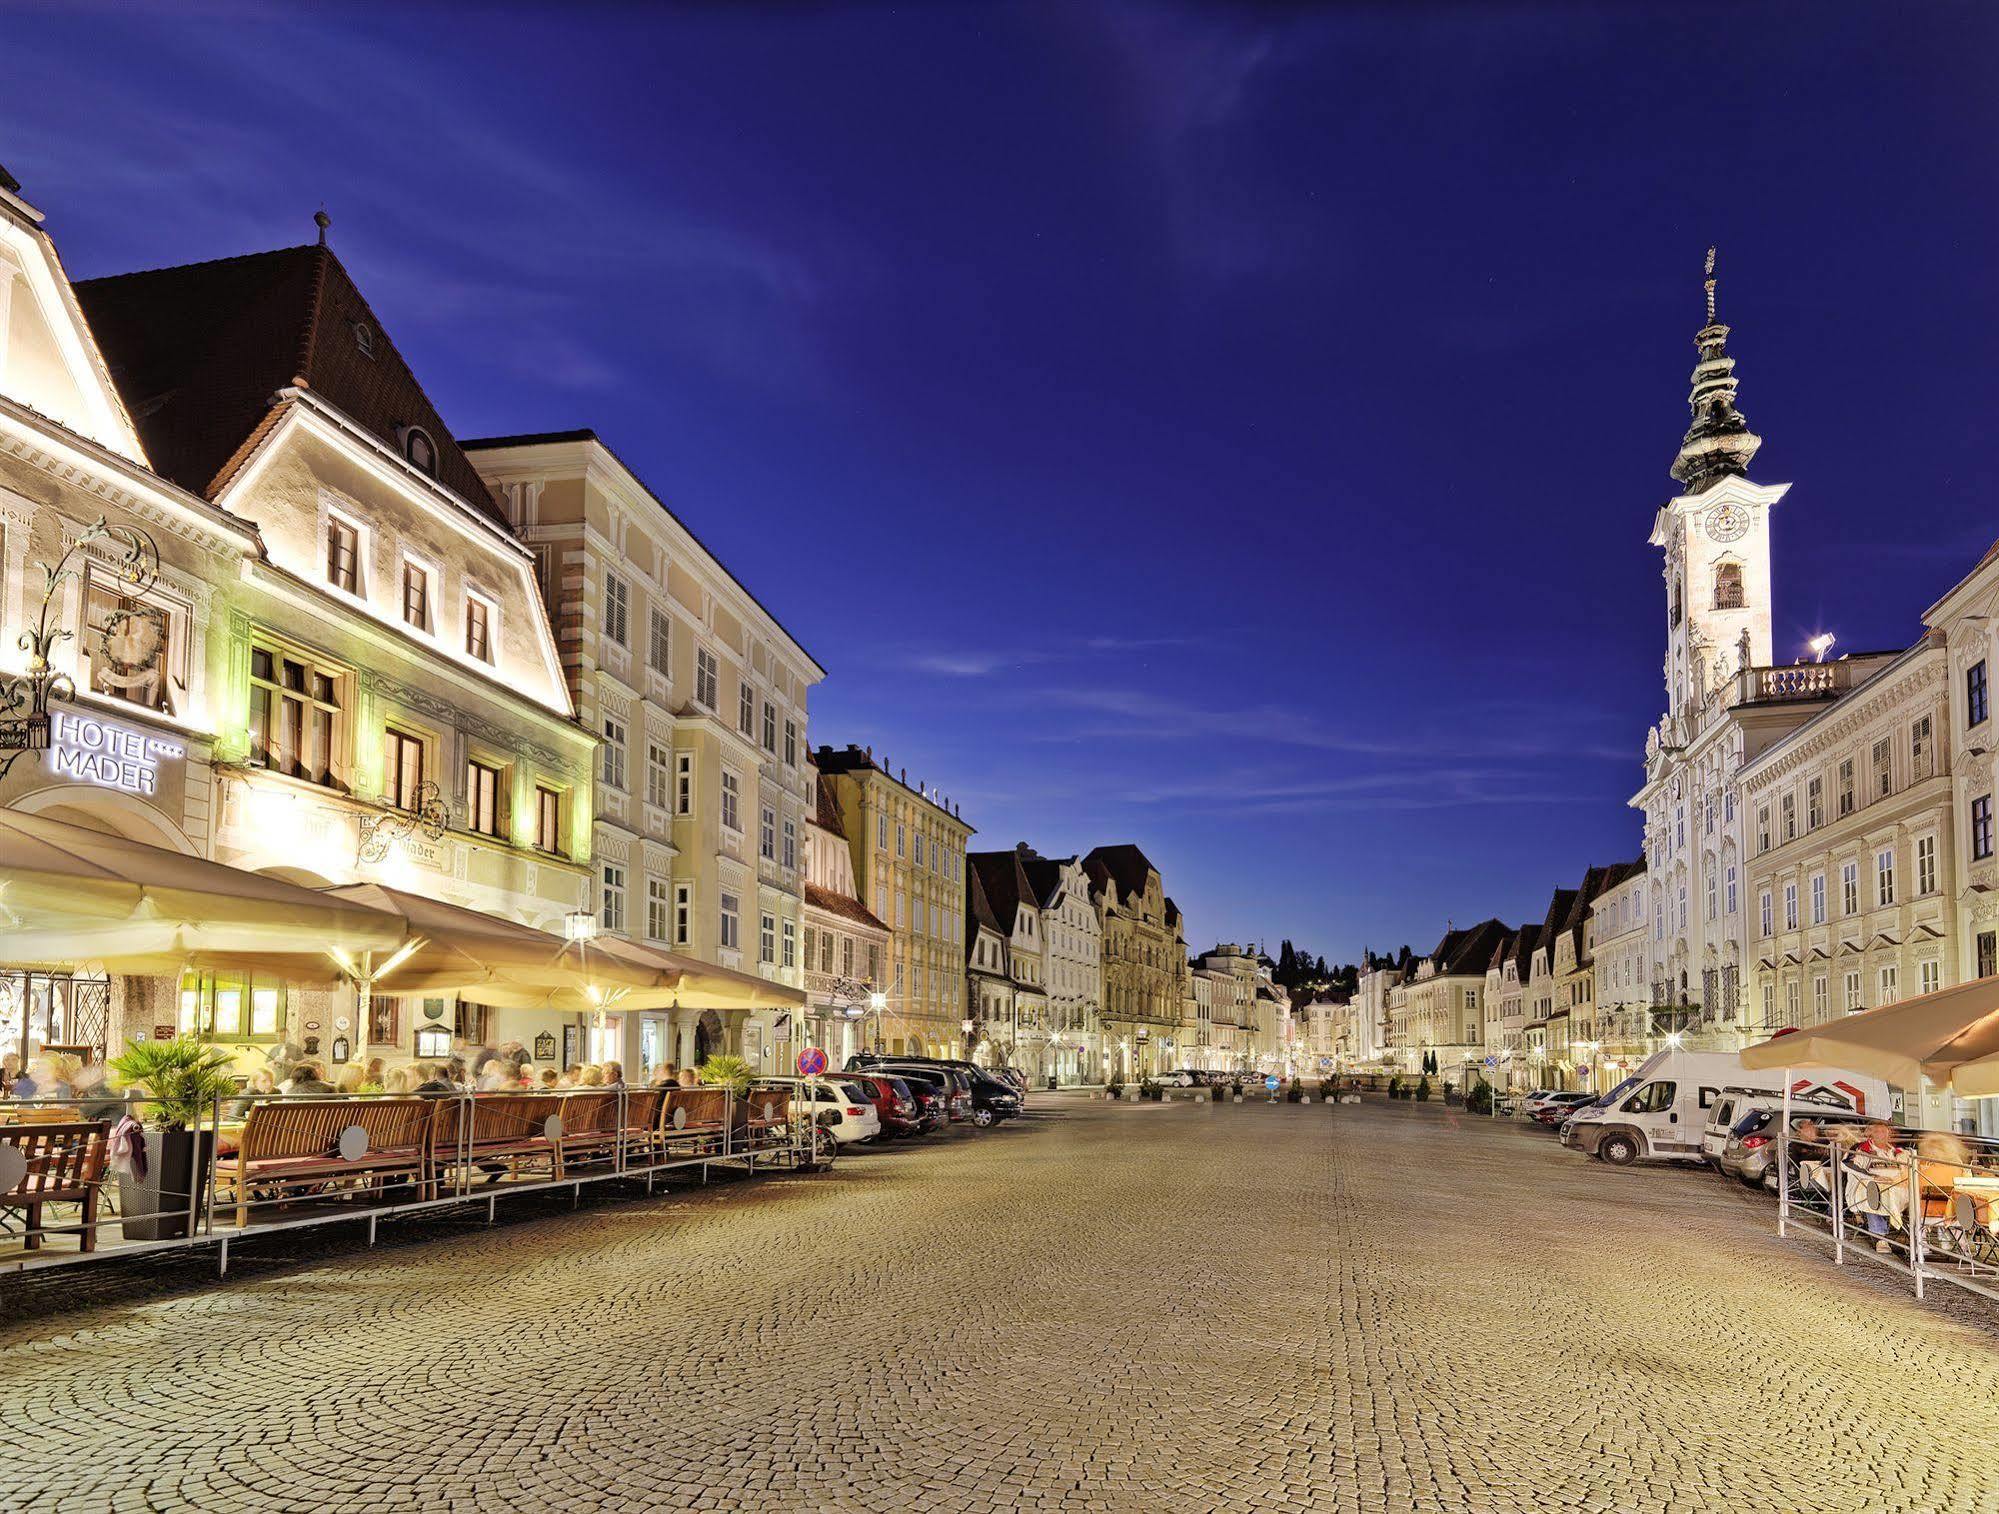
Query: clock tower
1716,537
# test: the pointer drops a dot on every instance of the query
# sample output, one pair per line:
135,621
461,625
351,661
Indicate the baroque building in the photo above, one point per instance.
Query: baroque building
704,784
1727,699
1144,957
908,848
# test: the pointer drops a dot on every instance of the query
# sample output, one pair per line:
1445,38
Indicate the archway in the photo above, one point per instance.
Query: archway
707,1036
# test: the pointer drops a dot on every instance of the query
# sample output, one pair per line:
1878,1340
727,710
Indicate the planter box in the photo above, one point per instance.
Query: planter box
155,1207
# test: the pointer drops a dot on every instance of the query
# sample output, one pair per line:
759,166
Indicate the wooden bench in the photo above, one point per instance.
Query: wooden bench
761,1112
507,1131
591,1129
692,1119
64,1164
640,1132
294,1143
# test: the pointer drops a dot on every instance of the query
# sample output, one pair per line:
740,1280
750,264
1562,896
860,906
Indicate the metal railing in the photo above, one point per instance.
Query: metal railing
1926,1207
83,1178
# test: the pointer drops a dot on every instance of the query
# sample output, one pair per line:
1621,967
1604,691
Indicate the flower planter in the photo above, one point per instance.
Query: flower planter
156,1207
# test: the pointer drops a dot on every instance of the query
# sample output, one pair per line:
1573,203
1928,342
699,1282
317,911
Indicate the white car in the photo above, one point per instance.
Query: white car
1180,1079
845,1111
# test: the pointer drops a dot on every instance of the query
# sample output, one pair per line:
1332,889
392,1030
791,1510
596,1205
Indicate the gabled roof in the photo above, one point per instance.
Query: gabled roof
1005,886
1524,941
1560,903
1464,952
839,904
200,351
978,912
1123,864
1044,875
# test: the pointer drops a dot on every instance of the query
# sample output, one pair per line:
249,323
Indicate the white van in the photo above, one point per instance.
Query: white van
1661,1111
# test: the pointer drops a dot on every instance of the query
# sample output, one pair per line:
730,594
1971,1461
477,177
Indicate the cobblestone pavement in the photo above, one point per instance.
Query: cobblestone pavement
1178,1306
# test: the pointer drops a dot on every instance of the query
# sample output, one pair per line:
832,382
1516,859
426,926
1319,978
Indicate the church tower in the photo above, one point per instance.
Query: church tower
1715,535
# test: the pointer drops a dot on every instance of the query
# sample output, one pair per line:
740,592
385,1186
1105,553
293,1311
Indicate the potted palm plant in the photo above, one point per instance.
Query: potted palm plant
734,1074
181,1083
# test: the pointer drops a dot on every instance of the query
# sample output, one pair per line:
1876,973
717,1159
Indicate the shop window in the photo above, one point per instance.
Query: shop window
231,1006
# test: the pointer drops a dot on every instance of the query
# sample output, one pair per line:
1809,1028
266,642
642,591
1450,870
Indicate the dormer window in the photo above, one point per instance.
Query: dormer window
420,450
364,339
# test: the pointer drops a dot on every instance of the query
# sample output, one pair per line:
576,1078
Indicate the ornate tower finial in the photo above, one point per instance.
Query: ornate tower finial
1719,442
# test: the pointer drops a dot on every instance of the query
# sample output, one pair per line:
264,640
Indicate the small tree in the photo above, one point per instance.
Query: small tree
1422,1088
1395,1087
1479,1100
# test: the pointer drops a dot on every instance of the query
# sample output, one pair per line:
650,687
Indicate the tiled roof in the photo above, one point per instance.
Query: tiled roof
1005,884
829,817
199,351
841,905
1123,864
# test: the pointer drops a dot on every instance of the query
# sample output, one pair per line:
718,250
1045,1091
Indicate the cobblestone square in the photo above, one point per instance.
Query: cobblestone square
1177,1306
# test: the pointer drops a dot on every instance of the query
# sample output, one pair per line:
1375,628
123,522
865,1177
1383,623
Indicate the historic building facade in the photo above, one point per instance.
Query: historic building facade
698,697
846,947
382,694
1853,850
908,848
1072,965
1144,957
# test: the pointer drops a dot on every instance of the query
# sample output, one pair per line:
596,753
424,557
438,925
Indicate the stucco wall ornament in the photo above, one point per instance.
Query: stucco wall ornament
130,645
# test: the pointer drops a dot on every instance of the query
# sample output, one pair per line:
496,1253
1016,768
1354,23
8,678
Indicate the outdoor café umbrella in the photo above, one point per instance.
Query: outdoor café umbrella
490,960
70,894
1950,1038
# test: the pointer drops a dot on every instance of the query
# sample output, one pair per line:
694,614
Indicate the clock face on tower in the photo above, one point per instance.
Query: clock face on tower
1727,523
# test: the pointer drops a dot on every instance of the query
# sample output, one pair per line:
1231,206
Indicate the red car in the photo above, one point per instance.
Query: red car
893,1101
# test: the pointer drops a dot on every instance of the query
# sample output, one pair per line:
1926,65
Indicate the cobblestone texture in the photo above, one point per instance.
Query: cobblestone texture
1179,1306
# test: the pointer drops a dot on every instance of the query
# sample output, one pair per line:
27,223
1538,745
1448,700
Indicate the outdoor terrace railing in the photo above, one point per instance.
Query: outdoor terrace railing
1929,1209
79,1179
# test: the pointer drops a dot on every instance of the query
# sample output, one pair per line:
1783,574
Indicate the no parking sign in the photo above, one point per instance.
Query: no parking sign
811,1062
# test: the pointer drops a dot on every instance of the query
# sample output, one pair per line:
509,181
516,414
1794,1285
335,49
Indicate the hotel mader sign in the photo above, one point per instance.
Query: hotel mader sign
83,747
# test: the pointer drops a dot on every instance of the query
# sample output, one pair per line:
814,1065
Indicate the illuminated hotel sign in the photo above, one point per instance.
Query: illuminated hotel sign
88,749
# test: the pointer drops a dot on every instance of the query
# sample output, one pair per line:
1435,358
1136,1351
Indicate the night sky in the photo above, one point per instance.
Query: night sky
1235,431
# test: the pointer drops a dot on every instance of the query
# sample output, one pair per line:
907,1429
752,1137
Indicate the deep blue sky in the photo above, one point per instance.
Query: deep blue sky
1235,431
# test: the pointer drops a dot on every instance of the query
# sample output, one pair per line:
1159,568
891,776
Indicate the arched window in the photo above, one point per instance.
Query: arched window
420,450
1676,603
1728,586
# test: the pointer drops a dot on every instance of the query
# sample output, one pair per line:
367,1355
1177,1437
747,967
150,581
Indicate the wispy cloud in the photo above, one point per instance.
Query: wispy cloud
980,663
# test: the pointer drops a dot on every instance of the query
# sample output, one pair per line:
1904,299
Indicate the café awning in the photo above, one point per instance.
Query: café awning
71,896
1950,1037
489,960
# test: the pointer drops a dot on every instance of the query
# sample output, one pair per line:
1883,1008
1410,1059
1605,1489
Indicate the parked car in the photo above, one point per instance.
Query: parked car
993,1101
1749,1152
1554,1110
1180,1077
957,1099
1734,1105
893,1101
842,1107
1538,1097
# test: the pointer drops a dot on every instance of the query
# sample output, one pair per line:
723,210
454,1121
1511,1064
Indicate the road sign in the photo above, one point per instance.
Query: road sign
1492,1061
1273,1082
811,1062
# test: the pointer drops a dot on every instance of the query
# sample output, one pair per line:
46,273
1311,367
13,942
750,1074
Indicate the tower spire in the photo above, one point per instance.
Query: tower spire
1719,442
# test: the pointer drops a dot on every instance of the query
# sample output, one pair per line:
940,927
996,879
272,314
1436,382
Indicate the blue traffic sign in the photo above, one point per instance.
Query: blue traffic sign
1273,1082
811,1062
